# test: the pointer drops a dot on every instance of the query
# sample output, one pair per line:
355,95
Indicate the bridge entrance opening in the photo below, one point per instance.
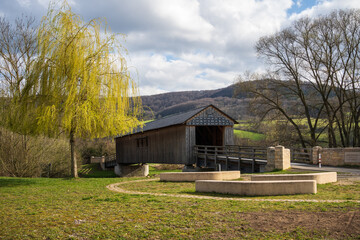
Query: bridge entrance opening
210,135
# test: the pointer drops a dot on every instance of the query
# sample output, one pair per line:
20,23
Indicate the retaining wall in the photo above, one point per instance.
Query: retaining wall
336,156
136,170
97,159
261,188
320,178
193,176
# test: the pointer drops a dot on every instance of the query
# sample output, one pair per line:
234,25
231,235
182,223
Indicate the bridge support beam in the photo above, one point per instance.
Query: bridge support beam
189,168
136,170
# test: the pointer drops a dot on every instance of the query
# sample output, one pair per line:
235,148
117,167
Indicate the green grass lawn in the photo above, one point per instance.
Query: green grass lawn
328,191
93,170
250,135
42,208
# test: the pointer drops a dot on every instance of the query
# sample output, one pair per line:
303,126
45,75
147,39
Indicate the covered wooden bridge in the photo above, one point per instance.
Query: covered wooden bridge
189,138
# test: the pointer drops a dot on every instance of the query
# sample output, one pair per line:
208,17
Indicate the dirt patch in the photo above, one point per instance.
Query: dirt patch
347,179
338,225
245,177
168,166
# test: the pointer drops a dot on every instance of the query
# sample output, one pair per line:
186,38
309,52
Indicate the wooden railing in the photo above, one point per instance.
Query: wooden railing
230,157
110,161
302,155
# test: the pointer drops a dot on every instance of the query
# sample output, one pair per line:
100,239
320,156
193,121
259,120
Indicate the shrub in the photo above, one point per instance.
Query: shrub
95,147
24,156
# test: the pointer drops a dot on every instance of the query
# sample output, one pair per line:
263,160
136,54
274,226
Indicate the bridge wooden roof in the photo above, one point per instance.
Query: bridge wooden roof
179,119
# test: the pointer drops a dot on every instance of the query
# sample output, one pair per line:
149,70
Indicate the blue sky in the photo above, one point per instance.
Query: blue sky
301,5
178,45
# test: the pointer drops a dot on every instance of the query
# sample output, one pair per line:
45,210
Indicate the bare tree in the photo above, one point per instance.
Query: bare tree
346,79
275,99
316,66
22,155
18,49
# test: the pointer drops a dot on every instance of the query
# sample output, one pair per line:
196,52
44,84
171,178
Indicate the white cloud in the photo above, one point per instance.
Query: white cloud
149,90
209,42
188,44
158,72
245,20
184,18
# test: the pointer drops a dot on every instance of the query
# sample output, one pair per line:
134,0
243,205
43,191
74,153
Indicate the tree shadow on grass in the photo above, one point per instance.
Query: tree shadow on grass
213,194
94,171
14,182
104,174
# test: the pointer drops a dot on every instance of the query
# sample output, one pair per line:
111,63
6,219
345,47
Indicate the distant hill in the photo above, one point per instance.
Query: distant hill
161,105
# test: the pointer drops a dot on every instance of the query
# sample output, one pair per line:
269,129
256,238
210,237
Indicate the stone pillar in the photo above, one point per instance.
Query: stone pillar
102,163
315,154
282,158
277,158
138,170
270,156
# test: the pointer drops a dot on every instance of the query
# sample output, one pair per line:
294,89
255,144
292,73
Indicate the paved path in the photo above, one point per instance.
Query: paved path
116,188
310,167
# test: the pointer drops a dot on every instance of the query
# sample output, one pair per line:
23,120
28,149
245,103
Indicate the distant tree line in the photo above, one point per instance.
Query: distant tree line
313,79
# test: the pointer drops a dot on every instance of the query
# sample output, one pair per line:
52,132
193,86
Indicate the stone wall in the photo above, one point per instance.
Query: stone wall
270,156
336,156
100,160
135,170
97,159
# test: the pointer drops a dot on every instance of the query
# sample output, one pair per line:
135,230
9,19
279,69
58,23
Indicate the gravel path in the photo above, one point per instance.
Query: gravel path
115,187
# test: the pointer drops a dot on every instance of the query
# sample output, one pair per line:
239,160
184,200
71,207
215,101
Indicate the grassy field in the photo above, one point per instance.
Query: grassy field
246,129
250,135
42,208
325,191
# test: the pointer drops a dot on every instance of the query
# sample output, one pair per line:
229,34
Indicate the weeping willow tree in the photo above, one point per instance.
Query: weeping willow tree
80,85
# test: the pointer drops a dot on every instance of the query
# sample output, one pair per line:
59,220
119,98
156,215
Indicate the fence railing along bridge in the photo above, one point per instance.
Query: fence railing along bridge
301,155
231,157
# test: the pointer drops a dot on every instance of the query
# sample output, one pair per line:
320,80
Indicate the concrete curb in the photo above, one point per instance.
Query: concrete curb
320,178
193,176
115,187
257,188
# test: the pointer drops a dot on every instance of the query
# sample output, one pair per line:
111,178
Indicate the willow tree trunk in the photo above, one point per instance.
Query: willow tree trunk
74,172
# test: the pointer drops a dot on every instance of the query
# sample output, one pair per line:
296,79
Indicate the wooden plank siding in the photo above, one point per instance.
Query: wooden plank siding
229,135
190,143
164,146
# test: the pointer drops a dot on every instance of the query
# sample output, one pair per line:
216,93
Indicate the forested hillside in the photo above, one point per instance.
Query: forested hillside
165,104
